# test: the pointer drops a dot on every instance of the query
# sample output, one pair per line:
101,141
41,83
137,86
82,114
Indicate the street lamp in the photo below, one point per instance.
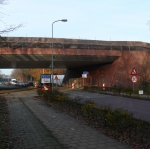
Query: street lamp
63,20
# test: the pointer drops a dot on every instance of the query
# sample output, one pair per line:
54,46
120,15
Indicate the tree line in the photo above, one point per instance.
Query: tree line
34,74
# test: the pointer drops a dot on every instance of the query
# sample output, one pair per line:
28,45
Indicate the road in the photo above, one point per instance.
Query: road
139,108
9,87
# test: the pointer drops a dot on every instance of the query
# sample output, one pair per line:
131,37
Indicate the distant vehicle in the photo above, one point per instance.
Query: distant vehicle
6,83
21,83
30,83
26,83
14,82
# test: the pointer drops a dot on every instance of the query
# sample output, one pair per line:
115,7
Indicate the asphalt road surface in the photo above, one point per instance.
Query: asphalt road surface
8,87
139,108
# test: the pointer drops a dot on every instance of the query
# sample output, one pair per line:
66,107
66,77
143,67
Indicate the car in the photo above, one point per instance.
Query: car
30,83
14,82
6,83
21,83
26,83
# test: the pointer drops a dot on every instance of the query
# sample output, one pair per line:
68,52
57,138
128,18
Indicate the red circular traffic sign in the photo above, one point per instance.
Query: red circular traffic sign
134,79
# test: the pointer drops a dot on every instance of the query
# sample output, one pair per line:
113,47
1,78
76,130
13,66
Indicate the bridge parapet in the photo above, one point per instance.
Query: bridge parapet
32,42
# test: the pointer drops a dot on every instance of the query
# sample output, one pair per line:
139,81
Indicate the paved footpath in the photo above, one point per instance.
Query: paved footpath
35,125
27,131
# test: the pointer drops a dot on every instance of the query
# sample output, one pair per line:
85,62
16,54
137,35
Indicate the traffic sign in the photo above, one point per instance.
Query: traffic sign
56,78
134,72
134,79
45,78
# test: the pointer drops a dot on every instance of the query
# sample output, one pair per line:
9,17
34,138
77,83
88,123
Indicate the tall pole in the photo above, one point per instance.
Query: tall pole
52,59
63,20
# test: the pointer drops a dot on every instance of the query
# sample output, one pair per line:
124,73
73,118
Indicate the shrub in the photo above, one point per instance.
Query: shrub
88,107
117,122
128,91
39,92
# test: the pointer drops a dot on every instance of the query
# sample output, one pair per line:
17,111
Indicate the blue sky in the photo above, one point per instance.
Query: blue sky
115,20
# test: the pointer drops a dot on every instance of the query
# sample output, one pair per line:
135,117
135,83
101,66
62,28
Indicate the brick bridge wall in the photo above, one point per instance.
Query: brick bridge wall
116,73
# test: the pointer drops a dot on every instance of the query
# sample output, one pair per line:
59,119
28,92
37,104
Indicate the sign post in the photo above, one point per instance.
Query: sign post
45,79
84,76
134,78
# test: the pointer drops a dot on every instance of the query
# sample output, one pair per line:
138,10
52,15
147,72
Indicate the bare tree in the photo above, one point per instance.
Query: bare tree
11,27
2,1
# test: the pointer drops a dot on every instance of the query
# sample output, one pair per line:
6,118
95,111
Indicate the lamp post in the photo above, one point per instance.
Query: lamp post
63,20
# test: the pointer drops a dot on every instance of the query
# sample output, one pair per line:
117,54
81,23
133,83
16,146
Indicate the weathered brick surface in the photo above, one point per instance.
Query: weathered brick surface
117,72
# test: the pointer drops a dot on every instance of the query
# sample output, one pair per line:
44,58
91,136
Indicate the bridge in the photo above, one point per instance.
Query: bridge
24,52
105,59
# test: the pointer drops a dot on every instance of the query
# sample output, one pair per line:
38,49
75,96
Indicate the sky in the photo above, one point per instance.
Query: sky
115,20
